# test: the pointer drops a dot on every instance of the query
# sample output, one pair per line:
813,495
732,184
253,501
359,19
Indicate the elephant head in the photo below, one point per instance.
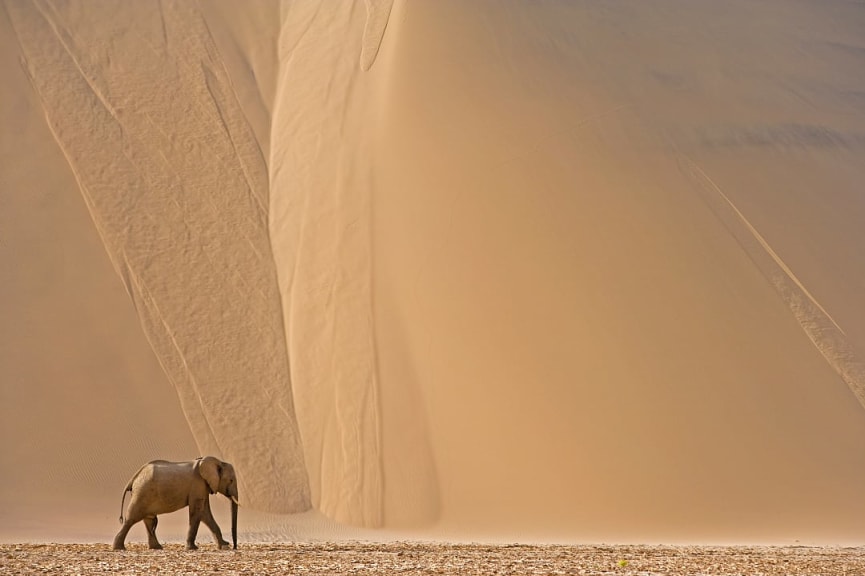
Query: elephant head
221,479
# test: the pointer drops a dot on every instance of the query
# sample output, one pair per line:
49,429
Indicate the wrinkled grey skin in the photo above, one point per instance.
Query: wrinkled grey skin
160,487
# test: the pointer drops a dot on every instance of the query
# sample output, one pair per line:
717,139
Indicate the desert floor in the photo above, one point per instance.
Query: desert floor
426,558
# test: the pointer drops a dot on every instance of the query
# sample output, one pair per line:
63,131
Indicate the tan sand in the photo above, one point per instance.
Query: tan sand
524,271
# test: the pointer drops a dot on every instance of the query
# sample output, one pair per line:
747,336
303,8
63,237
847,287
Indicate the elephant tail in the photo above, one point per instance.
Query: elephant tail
123,499
129,489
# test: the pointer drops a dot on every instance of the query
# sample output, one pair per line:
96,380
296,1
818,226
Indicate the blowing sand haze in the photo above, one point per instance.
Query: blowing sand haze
464,270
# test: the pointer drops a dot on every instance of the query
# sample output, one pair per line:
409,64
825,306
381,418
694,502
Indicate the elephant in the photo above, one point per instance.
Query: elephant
160,487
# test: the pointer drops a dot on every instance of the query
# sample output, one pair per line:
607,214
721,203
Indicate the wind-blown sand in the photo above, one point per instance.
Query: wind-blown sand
468,270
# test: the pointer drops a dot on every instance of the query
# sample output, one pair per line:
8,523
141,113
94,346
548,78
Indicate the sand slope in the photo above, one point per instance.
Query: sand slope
83,399
479,270
591,322
177,187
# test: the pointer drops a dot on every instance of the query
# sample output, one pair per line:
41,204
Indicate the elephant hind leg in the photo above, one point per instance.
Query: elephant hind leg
152,542
120,539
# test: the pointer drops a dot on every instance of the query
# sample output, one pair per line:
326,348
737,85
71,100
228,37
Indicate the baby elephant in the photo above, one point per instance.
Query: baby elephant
160,487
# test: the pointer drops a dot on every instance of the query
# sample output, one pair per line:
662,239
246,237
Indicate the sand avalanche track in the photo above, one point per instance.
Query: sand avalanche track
476,269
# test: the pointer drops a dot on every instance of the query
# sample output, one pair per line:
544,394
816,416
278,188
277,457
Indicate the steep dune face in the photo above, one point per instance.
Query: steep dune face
517,269
605,343
329,99
83,399
320,228
141,105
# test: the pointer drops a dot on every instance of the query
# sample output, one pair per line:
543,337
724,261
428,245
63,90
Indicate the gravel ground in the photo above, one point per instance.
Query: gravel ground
416,558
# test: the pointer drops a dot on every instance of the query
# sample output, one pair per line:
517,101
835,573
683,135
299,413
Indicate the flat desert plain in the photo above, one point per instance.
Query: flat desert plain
459,271
433,559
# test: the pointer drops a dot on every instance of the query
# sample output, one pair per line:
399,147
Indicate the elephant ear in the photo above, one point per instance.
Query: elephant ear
210,469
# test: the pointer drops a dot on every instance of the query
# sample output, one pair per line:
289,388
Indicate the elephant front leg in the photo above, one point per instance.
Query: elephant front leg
195,512
152,541
208,519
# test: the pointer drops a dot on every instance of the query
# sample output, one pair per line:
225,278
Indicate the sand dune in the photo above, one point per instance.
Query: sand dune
533,271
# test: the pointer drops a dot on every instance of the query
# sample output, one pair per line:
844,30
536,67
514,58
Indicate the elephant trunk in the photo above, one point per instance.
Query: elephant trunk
234,522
